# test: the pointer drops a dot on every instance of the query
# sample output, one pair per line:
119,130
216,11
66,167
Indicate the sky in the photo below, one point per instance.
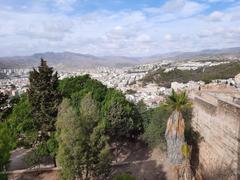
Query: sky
117,27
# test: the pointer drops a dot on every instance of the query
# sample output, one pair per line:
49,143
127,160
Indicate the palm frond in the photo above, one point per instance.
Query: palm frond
177,101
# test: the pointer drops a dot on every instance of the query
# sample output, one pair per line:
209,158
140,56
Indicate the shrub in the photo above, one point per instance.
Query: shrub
124,176
154,131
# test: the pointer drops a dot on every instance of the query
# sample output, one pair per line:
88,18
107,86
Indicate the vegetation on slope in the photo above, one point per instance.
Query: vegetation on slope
99,116
90,118
206,74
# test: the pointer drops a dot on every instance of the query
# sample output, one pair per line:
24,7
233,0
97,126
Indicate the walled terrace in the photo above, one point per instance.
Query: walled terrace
216,116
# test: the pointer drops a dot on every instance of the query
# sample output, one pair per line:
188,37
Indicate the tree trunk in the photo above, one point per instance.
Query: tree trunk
54,162
175,140
175,137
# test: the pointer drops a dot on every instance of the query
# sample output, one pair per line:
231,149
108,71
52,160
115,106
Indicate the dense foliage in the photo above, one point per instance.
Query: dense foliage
21,123
120,116
89,119
124,176
155,128
81,85
206,74
97,116
4,109
6,145
83,150
44,99
7,142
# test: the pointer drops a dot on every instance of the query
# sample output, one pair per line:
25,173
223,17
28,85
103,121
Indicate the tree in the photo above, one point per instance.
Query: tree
154,130
67,133
6,145
176,102
44,99
21,124
83,151
4,106
120,116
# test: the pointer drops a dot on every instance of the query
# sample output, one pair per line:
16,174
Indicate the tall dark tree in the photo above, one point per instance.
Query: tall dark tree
44,99
4,106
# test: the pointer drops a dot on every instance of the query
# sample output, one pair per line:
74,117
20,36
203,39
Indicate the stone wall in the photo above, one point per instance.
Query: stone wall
218,122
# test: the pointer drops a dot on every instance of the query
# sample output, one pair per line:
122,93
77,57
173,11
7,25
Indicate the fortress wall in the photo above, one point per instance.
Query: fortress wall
219,125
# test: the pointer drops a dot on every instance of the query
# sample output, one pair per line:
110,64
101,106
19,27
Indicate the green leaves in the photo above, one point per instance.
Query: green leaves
6,145
154,131
83,149
124,176
177,101
44,98
120,116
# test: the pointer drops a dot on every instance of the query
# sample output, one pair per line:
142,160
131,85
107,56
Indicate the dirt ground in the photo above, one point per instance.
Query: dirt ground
143,162
134,158
47,175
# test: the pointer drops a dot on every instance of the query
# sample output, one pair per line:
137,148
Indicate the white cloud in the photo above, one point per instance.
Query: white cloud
174,9
65,4
168,37
216,1
216,16
171,27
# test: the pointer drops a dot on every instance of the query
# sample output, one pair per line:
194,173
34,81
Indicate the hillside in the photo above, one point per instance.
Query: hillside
206,74
72,61
65,61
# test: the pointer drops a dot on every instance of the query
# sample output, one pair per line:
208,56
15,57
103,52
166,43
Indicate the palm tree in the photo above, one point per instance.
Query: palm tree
174,134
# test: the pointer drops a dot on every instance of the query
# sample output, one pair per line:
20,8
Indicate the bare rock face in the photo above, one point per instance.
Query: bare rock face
175,138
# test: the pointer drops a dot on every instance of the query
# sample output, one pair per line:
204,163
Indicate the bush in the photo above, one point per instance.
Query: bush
6,145
154,131
3,176
37,156
124,176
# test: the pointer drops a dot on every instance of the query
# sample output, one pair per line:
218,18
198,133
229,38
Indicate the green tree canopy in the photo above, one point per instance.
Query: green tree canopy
4,106
21,122
6,145
120,116
83,150
44,98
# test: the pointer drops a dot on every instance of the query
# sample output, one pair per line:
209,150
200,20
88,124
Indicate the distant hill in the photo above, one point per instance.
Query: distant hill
66,61
208,54
72,61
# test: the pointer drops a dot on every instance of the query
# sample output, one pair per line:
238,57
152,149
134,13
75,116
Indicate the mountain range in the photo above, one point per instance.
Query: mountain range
70,60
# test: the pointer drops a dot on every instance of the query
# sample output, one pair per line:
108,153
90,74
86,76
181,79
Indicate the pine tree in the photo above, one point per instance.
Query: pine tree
44,99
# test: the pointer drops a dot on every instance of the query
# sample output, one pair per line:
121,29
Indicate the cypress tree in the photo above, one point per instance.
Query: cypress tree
4,108
44,99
